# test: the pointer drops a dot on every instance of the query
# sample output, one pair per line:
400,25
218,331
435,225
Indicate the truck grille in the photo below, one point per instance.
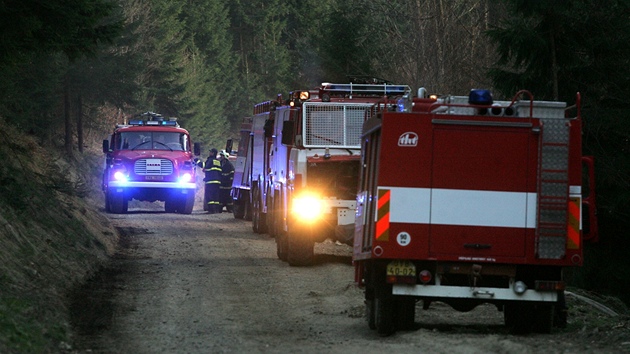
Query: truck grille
153,167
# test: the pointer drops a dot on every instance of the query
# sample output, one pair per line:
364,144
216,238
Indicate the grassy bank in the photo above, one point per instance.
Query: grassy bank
51,239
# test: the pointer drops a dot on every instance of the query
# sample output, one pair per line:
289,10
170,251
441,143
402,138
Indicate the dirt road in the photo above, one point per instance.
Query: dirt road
207,284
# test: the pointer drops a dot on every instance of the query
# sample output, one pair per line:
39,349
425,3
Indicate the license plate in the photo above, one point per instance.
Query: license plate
401,269
154,178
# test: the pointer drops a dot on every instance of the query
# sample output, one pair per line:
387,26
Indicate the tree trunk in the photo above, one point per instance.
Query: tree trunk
79,112
66,116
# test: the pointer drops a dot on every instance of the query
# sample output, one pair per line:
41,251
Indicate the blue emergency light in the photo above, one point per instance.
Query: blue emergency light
480,97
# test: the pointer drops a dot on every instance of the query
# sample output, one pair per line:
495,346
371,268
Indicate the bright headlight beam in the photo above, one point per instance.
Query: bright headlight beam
120,176
185,178
307,208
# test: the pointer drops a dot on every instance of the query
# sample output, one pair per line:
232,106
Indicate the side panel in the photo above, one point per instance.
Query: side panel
258,149
466,189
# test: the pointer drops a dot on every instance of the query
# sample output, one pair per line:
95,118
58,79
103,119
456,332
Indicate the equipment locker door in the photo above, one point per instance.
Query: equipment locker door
483,199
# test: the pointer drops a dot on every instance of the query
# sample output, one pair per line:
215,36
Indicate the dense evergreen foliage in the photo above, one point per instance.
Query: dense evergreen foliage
556,49
69,70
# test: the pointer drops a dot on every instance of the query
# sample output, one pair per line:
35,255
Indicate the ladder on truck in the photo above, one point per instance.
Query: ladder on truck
553,189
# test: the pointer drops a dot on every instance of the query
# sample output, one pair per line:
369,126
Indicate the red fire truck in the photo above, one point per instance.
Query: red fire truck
150,159
298,165
466,200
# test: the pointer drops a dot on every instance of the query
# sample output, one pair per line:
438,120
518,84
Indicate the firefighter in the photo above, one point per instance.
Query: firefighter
212,169
227,176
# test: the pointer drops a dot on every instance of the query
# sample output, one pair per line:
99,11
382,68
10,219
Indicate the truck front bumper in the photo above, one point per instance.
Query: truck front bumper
166,185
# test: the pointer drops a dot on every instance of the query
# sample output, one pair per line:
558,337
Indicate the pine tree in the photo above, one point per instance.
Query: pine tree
555,49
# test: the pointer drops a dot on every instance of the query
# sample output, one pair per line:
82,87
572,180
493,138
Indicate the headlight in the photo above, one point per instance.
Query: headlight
185,178
120,176
307,207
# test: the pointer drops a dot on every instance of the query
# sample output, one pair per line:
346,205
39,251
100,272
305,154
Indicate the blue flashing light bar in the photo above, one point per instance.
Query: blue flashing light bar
169,123
480,97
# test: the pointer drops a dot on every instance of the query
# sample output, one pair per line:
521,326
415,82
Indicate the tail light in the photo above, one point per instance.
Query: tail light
425,276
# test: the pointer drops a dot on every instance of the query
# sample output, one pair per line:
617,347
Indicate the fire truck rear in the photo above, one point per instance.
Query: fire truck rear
468,201
150,159
305,154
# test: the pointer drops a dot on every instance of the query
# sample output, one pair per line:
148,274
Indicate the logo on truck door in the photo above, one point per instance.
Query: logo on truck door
408,139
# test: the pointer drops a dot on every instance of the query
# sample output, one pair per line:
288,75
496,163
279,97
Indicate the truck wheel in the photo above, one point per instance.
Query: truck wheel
518,317
170,205
186,203
258,218
282,245
247,207
271,216
370,314
560,311
543,318
384,305
370,280
239,208
384,315
118,204
405,308
300,250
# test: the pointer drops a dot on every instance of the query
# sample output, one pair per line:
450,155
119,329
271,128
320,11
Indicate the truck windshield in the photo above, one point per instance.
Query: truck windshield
152,141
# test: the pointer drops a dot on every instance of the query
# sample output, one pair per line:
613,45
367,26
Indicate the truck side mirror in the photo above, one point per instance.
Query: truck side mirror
287,132
197,149
105,146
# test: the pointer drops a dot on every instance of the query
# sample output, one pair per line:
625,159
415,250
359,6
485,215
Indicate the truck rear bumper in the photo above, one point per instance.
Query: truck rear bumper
167,185
461,292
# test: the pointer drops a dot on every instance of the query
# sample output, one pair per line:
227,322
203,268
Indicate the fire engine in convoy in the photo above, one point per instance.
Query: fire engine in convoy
150,159
298,164
468,201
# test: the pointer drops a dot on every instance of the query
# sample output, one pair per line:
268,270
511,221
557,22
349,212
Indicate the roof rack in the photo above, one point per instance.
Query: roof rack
364,89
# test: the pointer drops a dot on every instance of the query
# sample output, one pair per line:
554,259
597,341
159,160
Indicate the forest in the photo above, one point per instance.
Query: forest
72,69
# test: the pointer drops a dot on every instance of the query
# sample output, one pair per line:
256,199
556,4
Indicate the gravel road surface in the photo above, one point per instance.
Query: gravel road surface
205,283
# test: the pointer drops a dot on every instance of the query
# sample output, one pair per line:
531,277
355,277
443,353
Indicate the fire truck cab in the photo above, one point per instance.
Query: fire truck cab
150,159
466,200
302,162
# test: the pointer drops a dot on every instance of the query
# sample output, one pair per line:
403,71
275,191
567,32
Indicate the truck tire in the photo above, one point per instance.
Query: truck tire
300,250
518,317
239,207
118,204
282,246
258,218
543,318
384,305
186,203
384,315
405,312
370,315
271,215
247,206
170,205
